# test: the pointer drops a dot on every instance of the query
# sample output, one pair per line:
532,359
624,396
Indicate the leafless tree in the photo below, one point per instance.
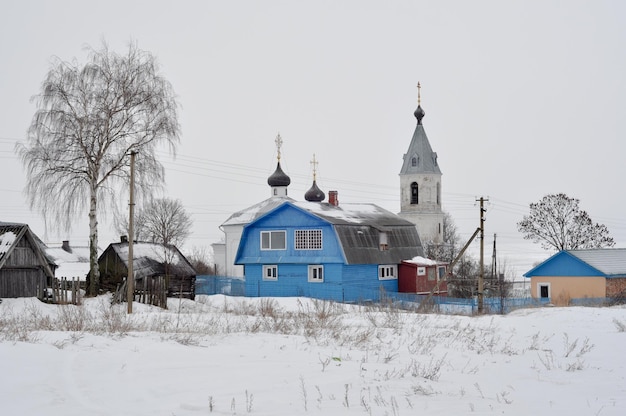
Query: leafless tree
200,259
88,120
162,220
448,249
557,222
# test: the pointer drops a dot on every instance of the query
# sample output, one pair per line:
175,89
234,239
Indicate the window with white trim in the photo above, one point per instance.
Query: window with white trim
316,273
270,272
387,272
543,290
308,239
421,271
273,240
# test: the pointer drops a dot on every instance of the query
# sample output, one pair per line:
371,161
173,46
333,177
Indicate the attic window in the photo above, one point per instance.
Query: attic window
414,161
383,242
273,240
308,239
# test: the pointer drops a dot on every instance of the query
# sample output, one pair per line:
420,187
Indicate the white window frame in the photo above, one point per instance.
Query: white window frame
540,285
283,232
270,272
316,273
310,239
421,271
387,272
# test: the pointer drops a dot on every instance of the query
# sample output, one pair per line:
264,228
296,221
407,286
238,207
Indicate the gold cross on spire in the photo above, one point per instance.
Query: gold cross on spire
419,98
279,143
314,163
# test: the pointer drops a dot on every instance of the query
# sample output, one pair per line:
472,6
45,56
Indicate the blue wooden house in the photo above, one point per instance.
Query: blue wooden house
345,253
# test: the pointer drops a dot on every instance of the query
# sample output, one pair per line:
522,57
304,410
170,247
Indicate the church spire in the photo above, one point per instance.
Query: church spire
314,194
278,181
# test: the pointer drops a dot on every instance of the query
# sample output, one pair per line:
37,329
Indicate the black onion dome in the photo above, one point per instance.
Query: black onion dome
278,178
314,194
419,114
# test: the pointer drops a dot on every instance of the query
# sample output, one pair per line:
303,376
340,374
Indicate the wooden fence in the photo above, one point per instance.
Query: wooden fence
150,291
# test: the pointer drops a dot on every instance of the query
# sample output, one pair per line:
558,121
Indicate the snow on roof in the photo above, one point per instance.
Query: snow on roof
6,241
353,213
158,253
78,254
423,261
72,270
249,214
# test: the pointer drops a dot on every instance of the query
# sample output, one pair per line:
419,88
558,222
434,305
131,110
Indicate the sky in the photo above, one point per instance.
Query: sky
293,356
522,99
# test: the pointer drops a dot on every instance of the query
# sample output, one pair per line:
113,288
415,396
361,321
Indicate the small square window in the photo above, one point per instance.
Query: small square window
270,272
316,273
387,272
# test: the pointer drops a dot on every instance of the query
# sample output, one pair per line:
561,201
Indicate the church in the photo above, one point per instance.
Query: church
374,241
420,184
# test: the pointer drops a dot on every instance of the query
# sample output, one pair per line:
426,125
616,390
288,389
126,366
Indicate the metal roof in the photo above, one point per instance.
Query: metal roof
150,259
420,148
610,261
246,216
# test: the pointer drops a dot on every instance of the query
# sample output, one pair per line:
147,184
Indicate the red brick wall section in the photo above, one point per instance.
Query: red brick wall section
615,287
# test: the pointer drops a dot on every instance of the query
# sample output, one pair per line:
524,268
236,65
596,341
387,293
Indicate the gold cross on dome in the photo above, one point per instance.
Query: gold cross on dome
419,98
279,143
314,163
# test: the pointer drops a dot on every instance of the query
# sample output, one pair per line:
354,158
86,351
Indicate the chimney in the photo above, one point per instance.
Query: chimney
333,198
124,238
66,246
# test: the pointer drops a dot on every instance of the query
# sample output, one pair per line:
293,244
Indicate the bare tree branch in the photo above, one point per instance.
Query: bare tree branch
557,222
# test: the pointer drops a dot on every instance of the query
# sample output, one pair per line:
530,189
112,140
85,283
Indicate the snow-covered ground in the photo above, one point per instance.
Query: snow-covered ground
238,356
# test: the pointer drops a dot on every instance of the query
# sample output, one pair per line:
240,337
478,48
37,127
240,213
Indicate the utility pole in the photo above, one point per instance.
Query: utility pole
481,276
130,279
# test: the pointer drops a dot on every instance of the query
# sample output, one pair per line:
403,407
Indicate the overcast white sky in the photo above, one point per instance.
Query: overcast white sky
522,99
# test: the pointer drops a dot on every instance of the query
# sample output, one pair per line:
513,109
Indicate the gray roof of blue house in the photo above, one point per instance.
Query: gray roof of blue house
610,261
358,228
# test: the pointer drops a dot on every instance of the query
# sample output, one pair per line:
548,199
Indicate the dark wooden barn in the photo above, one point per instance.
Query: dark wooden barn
25,270
152,262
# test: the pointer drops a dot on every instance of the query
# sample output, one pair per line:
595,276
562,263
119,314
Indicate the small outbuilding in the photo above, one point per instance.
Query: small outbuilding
420,275
25,271
151,262
574,274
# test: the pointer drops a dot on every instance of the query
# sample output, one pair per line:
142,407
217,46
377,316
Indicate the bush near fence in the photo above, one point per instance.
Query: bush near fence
222,285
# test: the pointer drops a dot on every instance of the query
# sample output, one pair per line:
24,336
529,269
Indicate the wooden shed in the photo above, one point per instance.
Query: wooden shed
151,261
25,270
420,275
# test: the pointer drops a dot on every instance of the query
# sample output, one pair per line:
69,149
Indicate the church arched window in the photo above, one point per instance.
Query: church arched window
438,193
414,193
414,161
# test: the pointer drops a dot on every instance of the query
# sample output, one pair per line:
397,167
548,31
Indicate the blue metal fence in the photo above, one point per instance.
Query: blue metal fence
353,293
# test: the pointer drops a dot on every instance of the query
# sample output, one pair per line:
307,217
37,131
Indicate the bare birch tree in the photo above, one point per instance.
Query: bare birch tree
88,120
